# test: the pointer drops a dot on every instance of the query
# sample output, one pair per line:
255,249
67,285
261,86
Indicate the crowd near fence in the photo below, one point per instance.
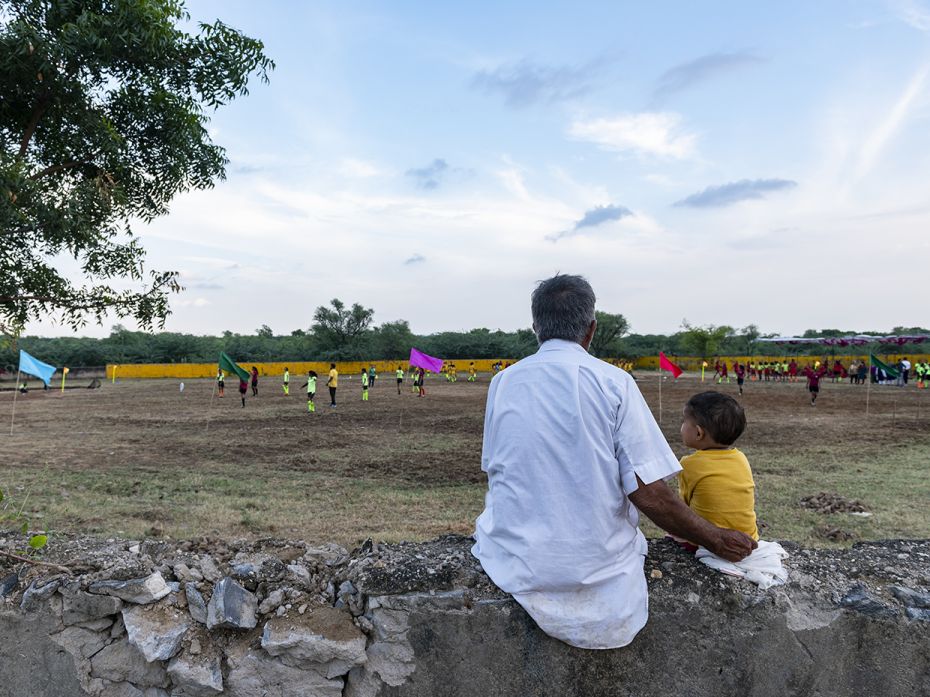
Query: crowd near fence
386,368
693,363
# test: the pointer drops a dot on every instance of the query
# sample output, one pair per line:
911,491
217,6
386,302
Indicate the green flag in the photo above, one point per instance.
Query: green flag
229,365
889,371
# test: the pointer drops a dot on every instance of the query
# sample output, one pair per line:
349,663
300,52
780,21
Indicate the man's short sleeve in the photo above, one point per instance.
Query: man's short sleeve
488,433
640,447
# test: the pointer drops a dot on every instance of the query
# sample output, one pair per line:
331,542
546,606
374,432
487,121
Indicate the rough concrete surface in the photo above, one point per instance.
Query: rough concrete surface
422,620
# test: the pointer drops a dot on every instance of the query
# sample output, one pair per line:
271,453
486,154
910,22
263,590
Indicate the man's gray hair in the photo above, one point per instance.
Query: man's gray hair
563,308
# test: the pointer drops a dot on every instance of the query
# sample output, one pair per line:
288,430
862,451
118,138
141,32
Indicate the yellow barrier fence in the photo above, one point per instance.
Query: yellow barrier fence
386,369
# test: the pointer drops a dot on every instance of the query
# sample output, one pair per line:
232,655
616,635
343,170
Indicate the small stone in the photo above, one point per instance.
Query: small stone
281,611
274,599
655,573
231,606
121,661
209,569
9,584
302,609
298,573
196,677
157,633
79,641
185,574
858,598
194,649
918,613
78,607
118,629
325,639
196,605
243,571
910,598
350,597
37,595
140,591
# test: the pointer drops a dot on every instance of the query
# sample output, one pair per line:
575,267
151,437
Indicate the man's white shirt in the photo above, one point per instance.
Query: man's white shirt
565,436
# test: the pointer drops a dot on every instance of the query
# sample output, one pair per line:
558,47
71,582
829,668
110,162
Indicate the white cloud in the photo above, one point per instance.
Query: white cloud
890,125
647,133
358,169
190,302
913,13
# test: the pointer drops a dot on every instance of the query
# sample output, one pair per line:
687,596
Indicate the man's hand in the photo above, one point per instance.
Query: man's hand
733,545
664,508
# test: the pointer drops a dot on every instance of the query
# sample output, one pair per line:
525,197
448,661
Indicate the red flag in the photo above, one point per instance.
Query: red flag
666,364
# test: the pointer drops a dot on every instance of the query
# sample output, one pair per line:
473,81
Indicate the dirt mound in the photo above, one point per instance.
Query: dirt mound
828,532
832,503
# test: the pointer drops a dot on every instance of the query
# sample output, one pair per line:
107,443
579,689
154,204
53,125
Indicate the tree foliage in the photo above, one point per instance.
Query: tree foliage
338,329
103,119
610,328
359,340
750,334
704,342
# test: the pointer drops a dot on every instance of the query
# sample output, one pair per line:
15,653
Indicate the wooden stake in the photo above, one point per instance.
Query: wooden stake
868,385
210,408
660,396
15,392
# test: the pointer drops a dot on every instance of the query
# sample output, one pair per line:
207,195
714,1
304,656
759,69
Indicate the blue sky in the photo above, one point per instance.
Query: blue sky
728,163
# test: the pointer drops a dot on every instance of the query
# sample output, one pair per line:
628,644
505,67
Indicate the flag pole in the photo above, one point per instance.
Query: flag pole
868,384
660,396
15,392
206,426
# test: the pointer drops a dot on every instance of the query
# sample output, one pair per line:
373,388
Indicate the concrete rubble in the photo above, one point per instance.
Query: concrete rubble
198,618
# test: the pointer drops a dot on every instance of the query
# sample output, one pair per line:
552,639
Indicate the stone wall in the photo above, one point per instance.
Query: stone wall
285,619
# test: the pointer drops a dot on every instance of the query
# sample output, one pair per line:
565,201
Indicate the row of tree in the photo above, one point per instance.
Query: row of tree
340,332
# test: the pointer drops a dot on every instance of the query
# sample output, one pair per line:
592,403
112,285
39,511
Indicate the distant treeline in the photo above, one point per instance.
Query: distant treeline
393,340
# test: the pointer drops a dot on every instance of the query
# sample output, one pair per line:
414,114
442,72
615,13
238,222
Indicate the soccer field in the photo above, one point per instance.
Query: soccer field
143,458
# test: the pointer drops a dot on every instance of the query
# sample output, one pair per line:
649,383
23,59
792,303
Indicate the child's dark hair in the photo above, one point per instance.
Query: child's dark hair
719,414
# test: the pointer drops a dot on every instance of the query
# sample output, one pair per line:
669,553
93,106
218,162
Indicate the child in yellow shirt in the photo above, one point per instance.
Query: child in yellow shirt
716,481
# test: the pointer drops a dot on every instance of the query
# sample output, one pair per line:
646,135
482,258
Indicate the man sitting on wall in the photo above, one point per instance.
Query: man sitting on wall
572,451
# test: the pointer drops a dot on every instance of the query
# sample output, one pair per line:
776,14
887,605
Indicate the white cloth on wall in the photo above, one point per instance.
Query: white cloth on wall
763,567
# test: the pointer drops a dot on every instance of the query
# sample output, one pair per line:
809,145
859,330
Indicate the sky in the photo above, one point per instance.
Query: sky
723,163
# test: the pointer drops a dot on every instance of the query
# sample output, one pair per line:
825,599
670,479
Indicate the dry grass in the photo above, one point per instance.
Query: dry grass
141,458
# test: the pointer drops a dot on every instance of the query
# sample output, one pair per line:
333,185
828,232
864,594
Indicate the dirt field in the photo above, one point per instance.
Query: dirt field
143,458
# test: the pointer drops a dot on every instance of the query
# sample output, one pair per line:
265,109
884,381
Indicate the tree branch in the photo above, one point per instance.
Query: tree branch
37,115
58,168
27,560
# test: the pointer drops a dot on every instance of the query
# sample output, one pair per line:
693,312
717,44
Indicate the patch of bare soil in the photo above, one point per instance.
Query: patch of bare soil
832,503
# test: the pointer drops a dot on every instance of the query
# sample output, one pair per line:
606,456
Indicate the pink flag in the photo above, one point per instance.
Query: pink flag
421,360
666,364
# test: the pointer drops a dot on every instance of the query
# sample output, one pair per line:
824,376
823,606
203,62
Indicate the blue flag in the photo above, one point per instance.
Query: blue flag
28,364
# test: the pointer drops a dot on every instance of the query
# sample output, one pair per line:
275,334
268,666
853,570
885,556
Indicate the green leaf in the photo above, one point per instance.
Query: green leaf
38,541
25,527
